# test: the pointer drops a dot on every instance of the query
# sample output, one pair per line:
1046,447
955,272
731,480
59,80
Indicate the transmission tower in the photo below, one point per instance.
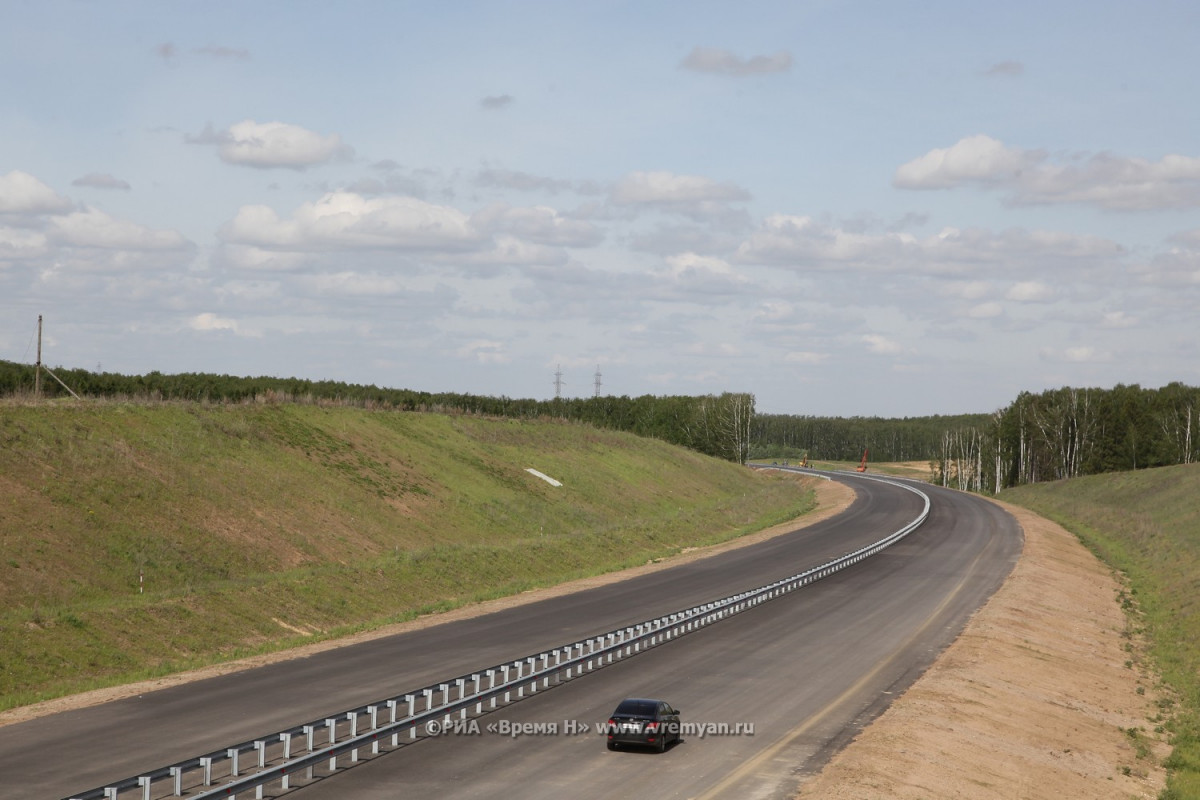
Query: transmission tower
597,380
558,382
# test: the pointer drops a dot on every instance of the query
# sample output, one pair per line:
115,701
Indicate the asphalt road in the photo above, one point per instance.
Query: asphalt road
806,670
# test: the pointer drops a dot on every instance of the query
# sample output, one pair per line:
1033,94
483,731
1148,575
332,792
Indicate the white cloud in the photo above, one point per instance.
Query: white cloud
801,242
484,351
94,228
96,180
20,244
1074,355
694,196
21,193
269,145
668,189
537,223
985,311
881,345
209,321
724,62
1118,320
1032,178
1030,292
806,357
975,158
343,220
690,265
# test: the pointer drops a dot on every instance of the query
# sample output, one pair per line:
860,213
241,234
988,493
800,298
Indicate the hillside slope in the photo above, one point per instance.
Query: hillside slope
140,539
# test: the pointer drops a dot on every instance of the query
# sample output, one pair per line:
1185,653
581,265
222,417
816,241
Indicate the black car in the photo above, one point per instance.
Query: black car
644,722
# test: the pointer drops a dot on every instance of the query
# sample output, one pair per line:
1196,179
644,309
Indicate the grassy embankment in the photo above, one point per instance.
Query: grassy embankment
257,528
1146,524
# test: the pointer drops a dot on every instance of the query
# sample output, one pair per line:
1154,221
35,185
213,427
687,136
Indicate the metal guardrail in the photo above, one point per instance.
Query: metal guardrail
505,683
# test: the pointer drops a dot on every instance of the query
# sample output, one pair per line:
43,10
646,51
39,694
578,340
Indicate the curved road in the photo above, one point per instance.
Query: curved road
806,670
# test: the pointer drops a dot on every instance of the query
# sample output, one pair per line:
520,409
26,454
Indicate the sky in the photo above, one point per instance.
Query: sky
845,208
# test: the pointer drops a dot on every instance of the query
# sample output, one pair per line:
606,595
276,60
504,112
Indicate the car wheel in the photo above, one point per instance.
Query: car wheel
662,744
612,745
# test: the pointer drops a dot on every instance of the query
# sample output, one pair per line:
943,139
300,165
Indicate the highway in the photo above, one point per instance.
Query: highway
806,671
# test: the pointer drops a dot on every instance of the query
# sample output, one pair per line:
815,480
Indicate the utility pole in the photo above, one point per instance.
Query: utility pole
597,380
558,382
37,374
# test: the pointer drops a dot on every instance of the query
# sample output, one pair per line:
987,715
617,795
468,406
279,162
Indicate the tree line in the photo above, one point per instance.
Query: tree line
717,425
1059,433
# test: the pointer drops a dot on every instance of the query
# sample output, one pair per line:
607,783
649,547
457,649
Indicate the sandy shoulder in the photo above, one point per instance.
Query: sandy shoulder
832,499
1033,700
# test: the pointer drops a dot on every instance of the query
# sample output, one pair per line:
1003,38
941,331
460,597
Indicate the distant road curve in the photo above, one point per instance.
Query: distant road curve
805,671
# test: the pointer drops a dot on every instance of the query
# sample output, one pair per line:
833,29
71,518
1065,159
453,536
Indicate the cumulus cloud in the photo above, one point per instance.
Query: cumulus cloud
1032,177
693,196
804,243
723,62
1030,292
977,158
209,321
484,351
95,229
1074,355
805,357
881,345
272,145
519,181
96,180
537,223
23,194
344,221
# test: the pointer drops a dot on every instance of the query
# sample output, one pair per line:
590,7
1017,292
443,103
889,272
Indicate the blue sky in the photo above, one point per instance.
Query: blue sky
846,208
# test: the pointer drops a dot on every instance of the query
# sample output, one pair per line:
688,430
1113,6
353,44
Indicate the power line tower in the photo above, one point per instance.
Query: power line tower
597,380
558,382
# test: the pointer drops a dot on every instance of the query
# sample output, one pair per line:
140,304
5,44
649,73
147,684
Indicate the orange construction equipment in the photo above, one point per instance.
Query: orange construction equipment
863,466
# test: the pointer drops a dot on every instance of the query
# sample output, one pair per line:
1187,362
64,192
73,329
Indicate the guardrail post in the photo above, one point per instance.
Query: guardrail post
206,765
286,738
110,793
504,682
177,776
374,712
331,724
478,679
144,783
309,730
428,698
261,746
392,704
353,717
232,755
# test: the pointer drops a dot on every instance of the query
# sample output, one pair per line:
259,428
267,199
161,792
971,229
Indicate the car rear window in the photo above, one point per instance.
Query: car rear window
637,707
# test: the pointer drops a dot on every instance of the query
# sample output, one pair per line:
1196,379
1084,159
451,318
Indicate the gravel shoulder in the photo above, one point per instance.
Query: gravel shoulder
1035,699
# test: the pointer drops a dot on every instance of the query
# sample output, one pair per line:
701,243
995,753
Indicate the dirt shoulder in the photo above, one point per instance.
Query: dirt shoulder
832,499
1033,700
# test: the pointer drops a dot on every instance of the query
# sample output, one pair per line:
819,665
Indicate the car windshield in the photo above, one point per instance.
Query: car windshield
638,708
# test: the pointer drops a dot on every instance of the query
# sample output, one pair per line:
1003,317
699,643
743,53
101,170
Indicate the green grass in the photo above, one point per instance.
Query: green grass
1146,524
247,522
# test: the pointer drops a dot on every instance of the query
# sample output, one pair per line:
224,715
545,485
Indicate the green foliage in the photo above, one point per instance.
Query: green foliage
1146,524
716,425
844,439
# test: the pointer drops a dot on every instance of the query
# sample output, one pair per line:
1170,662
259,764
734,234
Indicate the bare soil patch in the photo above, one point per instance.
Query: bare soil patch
1036,698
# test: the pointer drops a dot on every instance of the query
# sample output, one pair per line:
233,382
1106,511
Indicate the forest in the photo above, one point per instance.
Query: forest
1059,433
